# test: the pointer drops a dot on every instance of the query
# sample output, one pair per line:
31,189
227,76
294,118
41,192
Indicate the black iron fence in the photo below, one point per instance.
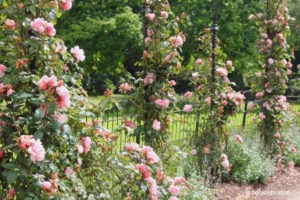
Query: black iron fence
184,125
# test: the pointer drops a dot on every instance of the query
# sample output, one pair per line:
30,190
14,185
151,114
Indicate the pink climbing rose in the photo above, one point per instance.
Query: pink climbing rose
78,54
10,24
36,151
149,79
156,125
164,14
64,97
163,103
86,143
187,108
174,190
66,4
222,71
188,94
43,27
150,16
176,41
199,61
124,88
2,70
60,118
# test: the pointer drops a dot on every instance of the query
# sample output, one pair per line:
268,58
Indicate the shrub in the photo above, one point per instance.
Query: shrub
248,164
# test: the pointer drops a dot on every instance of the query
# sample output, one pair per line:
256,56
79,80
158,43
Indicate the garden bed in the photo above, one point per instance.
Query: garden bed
282,185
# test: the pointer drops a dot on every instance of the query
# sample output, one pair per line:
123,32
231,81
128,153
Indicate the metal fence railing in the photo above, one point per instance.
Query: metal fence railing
184,125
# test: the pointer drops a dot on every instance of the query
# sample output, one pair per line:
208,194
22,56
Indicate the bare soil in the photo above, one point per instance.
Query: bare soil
282,185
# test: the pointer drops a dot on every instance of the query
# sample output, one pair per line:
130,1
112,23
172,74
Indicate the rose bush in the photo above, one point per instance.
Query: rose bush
270,83
215,97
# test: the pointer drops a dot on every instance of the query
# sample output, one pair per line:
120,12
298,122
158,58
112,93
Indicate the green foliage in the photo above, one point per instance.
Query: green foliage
249,165
110,34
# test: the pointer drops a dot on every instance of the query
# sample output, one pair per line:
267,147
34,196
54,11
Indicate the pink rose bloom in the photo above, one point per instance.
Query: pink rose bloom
207,100
10,24
164,14
147,40
25,141
163,103
124,88
187,108
129,124
46,186
149,79
267,106
194,152
264,35
43,27
66,4
86,143
2,70
156,125
173,198
252,105
69,171
195,74
284,62
143,169
64,97
269,43
2,153
289,64
289,72
150,16
262,116
132,147
46,82
225,162
36,151
43,83
238,138
222,71
270,61
188,94
224,103
150,155
145,54
78,54
174,190
11,193
80,149
172,82
293,150
277,135
150,32
229,63
259,94
60,118
176,41
49,29
258,74
199,61
181,180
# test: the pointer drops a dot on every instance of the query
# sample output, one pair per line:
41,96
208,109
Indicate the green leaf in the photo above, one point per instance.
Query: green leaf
38,135
11,177
39,113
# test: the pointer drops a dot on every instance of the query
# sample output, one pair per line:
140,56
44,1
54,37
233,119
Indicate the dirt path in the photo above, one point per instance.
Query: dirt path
283,185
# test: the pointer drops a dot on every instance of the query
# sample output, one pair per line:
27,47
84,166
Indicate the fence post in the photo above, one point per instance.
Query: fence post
245,114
